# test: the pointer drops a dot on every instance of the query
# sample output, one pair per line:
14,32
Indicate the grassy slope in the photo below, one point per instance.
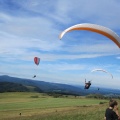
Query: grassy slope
48,108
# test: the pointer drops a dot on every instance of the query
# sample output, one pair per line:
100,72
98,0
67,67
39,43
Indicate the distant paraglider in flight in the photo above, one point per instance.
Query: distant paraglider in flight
34,76
36,60
94,28
102,71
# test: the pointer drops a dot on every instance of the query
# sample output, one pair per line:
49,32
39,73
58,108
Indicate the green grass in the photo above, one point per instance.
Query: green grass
48,108
18,101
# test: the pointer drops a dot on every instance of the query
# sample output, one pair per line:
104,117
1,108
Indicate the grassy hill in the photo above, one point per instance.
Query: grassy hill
39,106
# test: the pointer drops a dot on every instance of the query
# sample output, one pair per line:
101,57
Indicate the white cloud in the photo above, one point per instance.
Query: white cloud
96,48
71,12
28,33
118,57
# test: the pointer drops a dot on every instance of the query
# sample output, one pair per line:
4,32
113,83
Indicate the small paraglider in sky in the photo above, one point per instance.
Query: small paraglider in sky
34,76
36,61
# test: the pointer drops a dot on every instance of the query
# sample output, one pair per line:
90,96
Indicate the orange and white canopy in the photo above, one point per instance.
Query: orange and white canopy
94,28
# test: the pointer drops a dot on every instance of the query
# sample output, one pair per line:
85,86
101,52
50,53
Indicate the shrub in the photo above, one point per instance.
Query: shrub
35,96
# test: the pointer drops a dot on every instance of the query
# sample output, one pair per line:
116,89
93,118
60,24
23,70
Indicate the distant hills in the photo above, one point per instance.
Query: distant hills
17,87
12,87
44,86
41,86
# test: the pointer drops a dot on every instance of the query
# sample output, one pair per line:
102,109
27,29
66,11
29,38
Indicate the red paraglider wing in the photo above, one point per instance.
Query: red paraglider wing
36,60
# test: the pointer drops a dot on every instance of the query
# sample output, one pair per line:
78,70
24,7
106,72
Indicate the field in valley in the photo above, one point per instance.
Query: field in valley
38,106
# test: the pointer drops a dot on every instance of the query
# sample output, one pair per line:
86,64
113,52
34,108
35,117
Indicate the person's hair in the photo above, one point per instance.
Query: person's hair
112,103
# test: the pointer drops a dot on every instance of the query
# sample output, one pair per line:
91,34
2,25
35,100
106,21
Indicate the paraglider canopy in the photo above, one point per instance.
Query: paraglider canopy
94,28
102,71
36,60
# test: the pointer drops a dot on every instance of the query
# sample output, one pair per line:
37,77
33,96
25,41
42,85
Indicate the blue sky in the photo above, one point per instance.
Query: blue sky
30,28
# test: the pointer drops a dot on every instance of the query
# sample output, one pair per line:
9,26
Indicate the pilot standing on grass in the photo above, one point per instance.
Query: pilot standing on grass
112,111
